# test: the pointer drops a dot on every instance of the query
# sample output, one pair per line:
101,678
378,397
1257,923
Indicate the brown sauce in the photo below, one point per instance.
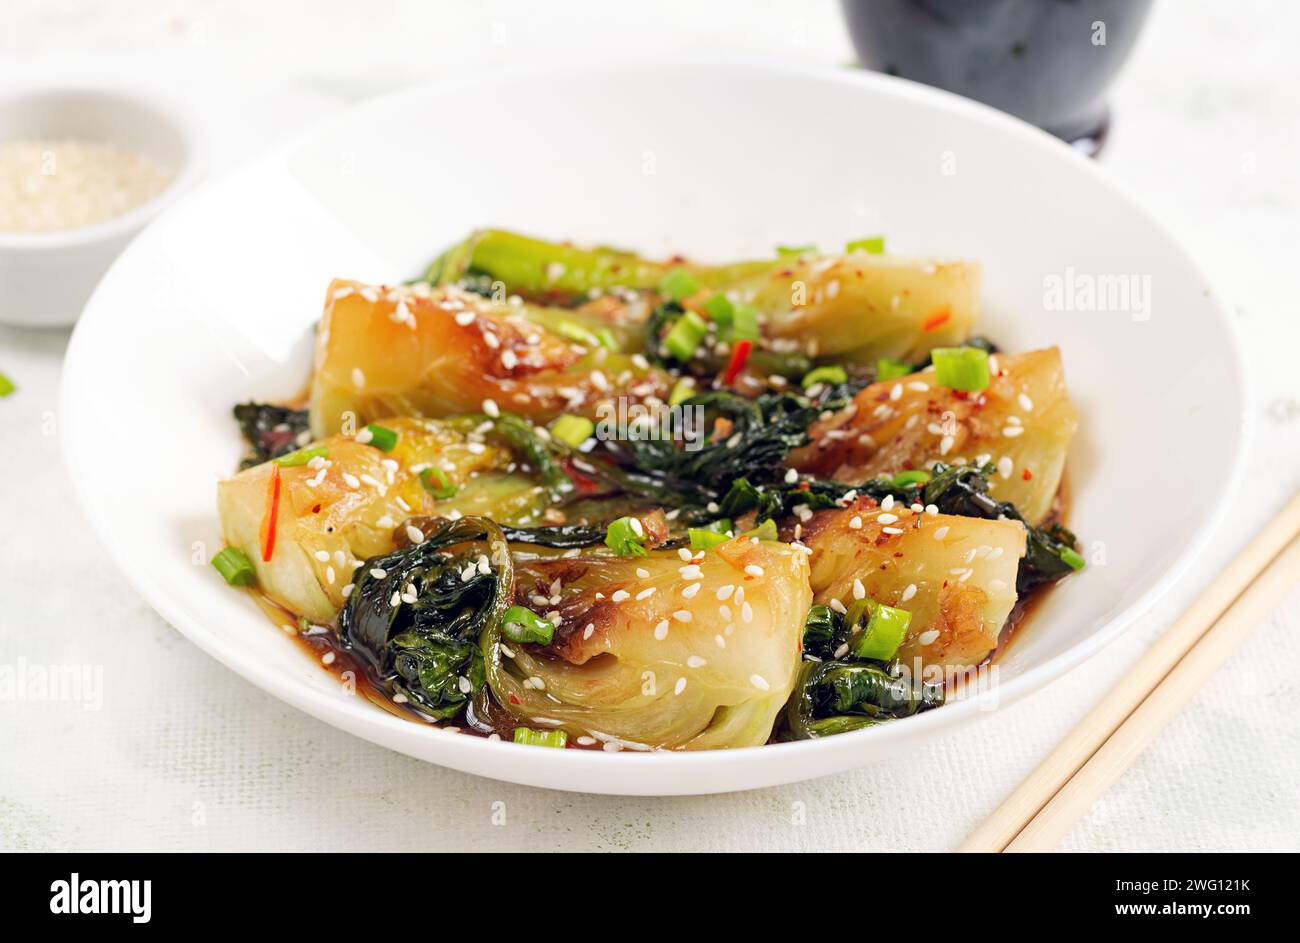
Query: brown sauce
352,673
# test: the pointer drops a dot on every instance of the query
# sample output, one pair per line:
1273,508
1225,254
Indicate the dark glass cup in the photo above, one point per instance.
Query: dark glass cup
1047,61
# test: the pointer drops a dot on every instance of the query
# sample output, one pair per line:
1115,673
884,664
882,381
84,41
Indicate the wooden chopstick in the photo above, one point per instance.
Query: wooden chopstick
1046,804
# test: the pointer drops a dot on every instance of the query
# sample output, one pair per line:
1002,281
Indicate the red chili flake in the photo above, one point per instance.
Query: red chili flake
1027,475
315,508
936,320
584,484
272,514
514,699
738,357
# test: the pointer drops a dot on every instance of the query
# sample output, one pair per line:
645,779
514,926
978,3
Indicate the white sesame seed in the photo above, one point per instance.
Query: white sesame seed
753,570
893,531
688,593
352,481
395,600
586,741
837,605
590,628
746,613
465,318
637,529
760,682
941,532
619,595
378,573
896,392
327,658
887,518
724,592
888,503
684,554
1012,431
719,641
661,630
855,522
791,476
908,592
414,534
682,615
945,445
490,407
932,510
358,378
1005,466
859,591
347,591
691,572
926,638
680,686
646,593
642,573
1025,402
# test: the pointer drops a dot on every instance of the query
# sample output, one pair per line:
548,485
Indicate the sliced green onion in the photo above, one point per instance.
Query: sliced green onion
764,531
915,477
608,340
683,390
831,374
795,250
685,336
887,369
521,624
1072,558
382,438
572,430
884,633
702,539
235,567
744,324
541,738
961,368
577,333
720,309
6,385
300,457
873,244
438,483
626,537
678,284
710,535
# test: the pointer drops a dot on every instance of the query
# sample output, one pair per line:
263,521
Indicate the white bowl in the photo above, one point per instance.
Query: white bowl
45,278
214,302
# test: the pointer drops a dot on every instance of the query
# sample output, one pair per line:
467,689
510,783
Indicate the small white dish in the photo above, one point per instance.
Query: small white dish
46,277
212,305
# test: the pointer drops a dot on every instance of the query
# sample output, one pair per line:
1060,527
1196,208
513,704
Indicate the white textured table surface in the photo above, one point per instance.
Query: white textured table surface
183,754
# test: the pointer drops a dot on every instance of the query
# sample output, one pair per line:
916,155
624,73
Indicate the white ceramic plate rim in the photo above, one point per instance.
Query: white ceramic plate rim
562,767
